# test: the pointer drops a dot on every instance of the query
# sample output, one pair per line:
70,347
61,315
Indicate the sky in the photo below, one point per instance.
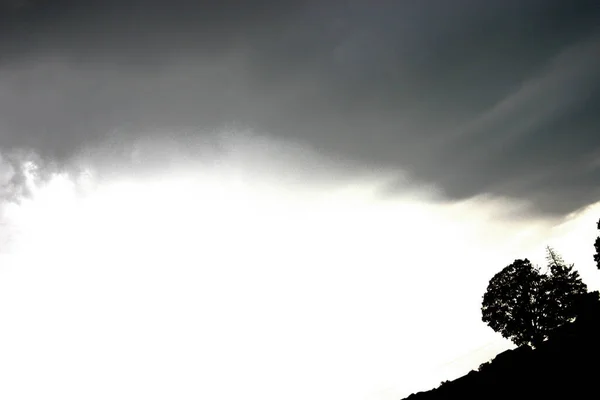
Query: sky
267,199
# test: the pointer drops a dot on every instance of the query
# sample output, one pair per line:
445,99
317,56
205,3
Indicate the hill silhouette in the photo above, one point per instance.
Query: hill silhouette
563,366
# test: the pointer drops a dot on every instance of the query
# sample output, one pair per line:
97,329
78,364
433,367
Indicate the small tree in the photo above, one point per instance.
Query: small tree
525,305
597,247
563,288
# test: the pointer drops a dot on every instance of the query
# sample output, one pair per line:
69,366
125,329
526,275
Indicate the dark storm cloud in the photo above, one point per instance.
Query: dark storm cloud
475,97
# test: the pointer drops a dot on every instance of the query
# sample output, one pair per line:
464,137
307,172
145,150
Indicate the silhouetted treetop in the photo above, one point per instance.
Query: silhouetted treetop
525,305
597,247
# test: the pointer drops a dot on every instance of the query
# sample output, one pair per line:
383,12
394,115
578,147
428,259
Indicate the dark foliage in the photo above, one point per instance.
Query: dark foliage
597,247
483,366
525,305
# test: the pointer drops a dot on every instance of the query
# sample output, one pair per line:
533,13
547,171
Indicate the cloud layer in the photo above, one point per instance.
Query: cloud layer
474,98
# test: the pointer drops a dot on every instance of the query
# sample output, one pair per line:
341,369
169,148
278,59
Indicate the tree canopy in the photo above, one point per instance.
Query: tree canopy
524,304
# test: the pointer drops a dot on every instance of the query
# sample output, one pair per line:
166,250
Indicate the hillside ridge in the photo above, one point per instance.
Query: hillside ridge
562,366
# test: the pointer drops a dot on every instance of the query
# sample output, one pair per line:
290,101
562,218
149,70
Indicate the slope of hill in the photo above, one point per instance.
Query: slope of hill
564,366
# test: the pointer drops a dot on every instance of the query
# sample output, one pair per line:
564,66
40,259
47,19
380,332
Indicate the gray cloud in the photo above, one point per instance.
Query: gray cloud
474,97
19,171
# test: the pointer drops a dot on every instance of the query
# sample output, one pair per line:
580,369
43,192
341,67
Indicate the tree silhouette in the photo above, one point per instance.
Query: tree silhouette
525,305
563,286
597,246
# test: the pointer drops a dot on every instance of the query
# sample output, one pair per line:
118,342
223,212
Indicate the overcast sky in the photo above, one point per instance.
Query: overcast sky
276,198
